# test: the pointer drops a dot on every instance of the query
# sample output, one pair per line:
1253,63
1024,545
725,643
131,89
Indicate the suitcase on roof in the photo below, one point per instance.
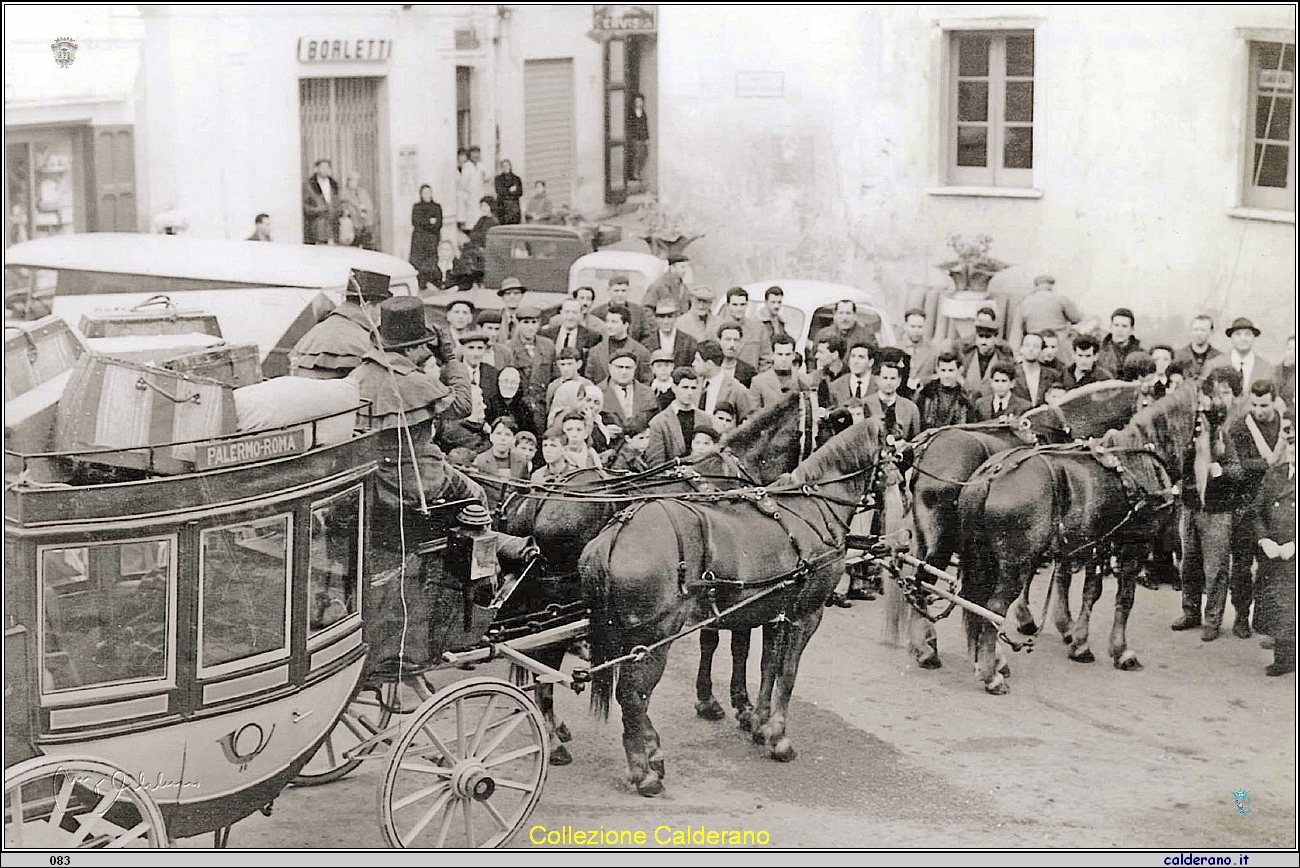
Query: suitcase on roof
153,316
236,365
37,352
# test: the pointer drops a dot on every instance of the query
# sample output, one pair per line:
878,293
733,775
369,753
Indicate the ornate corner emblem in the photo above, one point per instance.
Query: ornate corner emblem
1241,800
65,51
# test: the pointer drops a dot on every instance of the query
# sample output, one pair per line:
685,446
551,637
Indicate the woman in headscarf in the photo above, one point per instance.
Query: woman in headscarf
426,229
512,400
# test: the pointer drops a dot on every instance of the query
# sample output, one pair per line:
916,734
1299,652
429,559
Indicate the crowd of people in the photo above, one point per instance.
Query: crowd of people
627,386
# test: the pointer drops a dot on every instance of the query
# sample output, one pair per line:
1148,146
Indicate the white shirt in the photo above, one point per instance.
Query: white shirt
859,386
1000,405
566,337
712,388
624,395
667,340
1246,366
1031,380
324,188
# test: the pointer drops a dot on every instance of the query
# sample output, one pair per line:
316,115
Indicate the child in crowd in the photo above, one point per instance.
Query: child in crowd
629,455
525,451
724,417
499,458
556,466
577,442
703,443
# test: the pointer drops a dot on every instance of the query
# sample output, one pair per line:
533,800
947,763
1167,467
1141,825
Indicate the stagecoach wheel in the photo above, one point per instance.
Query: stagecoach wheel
55,803
369,712
469,769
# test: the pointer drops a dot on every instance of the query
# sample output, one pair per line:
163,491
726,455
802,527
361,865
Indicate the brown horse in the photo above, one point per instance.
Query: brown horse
564,518
754,557
1058,502
945,458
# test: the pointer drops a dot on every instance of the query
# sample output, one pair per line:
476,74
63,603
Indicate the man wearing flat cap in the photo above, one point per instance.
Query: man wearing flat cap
699,321
1242,358
529,352
339,342
978,358
667,336
671,286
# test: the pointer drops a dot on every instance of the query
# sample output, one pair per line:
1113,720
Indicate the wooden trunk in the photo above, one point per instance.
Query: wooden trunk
116,404
157,316
235,365
37,352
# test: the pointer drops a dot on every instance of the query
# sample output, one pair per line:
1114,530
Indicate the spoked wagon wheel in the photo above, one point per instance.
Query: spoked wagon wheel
469,769
369,712
60,803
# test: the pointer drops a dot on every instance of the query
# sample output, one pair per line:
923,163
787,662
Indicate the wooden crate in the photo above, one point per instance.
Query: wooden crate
37,352
235,365
152,348
156,316
30,418
116,404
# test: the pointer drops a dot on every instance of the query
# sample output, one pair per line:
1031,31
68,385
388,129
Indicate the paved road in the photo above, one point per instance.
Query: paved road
1076,755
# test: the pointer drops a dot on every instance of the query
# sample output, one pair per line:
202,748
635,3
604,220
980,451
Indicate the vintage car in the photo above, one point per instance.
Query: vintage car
596,270
809,305
261,293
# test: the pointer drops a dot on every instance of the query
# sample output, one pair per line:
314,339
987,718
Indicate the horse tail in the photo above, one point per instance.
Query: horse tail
977,567
593,565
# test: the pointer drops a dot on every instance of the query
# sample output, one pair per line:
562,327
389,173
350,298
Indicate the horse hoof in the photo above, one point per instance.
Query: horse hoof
710,710
657,766
561,756
929,661
759,736
1128,662
997,687
1085,657
650,786
746,720
563,734
783,751
1005,670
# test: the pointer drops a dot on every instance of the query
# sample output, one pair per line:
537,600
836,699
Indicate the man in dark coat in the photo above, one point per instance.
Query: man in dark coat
617,340
731,336
1000,400
321,206
569,331
338,343
530,352
978,358
1196,355
1211,492
1274,510
673,428
510,189
1120,343
667,336
642,320
943,400
1085,369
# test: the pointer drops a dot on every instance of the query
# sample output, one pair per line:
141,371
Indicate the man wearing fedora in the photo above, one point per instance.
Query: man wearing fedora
699,321
338,343
1242,358
671,285
511,294
667,336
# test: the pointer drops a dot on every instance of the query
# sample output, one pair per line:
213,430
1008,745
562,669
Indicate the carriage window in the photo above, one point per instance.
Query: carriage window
334,575
245,597
106,613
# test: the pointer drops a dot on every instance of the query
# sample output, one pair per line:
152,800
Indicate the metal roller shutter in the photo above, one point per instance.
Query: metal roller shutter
548,127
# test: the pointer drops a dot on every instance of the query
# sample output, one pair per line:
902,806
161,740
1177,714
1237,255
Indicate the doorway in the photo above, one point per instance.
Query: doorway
340,123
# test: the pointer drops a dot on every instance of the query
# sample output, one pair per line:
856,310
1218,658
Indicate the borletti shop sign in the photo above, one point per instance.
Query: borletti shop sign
331,50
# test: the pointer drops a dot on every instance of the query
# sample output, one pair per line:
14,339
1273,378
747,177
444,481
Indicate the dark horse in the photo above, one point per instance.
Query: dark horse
945,458
668,563
768,444
1056,502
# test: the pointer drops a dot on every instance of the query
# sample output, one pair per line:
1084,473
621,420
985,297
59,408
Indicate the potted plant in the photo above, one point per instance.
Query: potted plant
973,268
664,229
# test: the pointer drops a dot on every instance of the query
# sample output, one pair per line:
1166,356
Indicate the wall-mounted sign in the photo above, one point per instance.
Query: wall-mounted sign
1279,79
764,85
364,50
620,20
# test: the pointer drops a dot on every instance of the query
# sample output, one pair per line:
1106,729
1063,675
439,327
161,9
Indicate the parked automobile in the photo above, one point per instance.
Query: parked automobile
809,305
596,270
261,293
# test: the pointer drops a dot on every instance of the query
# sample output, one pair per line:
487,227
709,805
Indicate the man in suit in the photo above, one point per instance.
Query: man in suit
1120,343
531,353
845,325
641,323
586,297
616,340
1275,538
978,358
1257,440
898,415
568,330
730,336
472,431
672,430
667,336
1000,401
762,329
1200,352
716,385
321,206
1032,378
943,400
1241,358
1211,492
1085,369
918,346
670,286
624,395
771,386
853,388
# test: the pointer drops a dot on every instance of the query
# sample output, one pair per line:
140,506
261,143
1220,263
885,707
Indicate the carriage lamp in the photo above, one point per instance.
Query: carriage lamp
471,556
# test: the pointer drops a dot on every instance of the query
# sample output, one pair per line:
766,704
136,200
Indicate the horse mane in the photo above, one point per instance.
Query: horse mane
1168,425
845,452
760,427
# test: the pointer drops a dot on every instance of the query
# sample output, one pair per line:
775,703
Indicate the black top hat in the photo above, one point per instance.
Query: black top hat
401,324
1241,323
368,285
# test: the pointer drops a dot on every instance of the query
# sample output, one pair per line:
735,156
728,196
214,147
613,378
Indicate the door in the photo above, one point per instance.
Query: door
548,127
616,103
340,123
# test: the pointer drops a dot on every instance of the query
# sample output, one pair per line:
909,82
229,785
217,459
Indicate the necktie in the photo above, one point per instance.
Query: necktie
857,391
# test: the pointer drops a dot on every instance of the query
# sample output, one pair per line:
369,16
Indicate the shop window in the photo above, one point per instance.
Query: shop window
41,188
244,604
334,575
1268,158
990,111
107,612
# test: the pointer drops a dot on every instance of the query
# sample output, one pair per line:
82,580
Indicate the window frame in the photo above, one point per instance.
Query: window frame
992,177
1253,201
326,635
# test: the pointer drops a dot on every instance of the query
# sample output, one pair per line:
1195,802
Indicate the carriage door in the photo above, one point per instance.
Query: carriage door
340,123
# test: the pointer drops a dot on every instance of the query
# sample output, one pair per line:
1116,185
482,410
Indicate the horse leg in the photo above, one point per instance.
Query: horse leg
1060,597
937,540
559,733
992,666
739,687
636,681
773,634
706,706
1129,565
1079,650
786,664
